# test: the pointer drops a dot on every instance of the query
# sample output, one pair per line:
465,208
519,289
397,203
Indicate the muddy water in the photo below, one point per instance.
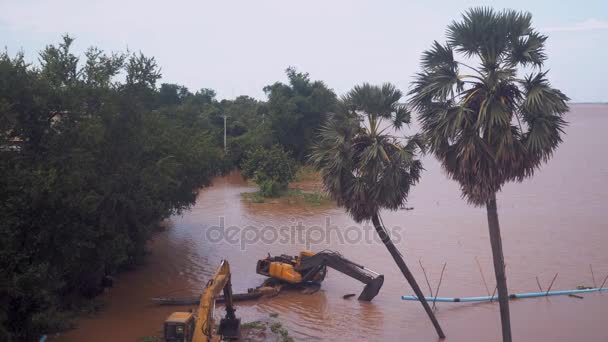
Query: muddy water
556,222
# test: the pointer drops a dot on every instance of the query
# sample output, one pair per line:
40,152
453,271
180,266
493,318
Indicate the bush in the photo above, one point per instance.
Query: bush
271,169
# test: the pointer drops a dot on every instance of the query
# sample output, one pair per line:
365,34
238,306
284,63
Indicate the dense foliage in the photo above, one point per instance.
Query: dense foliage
364,167
271,169
297,110
89,165
486,124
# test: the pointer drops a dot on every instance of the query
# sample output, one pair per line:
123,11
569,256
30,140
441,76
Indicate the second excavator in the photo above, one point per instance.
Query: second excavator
310,267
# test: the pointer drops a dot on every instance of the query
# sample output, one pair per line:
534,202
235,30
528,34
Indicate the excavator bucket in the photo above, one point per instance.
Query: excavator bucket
230,328
371,289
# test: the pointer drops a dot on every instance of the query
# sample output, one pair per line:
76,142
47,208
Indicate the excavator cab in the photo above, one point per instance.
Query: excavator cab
283,267
179,327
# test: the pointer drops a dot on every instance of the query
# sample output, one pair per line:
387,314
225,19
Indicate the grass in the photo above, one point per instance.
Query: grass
315,198
290,197
277,328
254,325
254,197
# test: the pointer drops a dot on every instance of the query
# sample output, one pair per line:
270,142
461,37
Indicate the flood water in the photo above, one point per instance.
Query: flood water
556,222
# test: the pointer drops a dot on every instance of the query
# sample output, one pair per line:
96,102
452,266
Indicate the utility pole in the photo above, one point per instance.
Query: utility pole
225,149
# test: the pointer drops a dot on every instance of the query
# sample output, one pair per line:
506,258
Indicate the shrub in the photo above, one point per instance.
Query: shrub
271,169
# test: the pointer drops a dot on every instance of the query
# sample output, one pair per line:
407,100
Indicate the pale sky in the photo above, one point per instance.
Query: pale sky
238,47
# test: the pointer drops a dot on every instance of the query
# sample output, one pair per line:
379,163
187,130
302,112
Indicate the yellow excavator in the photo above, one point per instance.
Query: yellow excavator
304,269
311,267
200,326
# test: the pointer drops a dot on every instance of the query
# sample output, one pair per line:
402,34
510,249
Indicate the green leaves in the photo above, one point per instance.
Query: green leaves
269,165
438,56
542,112
376,101
402,116
497,37
363,169
528,50
142,71
297,110
489,127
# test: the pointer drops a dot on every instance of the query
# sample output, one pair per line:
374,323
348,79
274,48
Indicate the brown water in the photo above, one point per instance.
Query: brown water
553,223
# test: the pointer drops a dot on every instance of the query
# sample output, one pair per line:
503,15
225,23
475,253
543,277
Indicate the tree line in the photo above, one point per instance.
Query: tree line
95,154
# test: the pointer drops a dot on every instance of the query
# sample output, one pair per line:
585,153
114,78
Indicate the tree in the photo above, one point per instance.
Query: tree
271,169
366,170
489,127
297,110
172,94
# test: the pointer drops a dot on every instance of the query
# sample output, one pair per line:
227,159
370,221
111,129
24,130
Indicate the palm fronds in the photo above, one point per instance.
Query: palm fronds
488,127
364,169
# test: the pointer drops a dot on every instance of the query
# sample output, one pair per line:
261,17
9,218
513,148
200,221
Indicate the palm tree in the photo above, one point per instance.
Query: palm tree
488,126
365,169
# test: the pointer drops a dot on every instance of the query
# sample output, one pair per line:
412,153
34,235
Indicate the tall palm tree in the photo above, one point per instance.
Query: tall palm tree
488,126
365,169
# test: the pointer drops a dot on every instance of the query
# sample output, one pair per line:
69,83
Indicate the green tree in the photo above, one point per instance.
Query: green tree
365,169
488,126
297,110
172,94
271,169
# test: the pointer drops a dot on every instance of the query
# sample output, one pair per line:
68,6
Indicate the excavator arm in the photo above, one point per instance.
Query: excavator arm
205,322
308,264
199,327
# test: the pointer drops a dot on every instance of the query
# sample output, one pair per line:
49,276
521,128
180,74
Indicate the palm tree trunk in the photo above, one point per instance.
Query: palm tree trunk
406,272
499,268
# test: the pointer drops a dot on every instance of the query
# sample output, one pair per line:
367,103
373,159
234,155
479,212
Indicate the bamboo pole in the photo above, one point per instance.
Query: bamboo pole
552,281
438,285
425,277
604,282
482,277
538,282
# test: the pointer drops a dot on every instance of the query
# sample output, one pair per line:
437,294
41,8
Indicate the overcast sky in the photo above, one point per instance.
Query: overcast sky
238,47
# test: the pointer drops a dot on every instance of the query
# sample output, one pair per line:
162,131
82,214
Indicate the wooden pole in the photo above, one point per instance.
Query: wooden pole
552,281
425,277
438,285
592,275
604,282
482,277
538,282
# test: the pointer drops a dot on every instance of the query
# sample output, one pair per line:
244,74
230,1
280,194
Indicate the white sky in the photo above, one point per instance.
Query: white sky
238,47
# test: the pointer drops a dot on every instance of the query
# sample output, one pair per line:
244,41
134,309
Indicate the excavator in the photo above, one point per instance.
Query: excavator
310,267
304,269
200,327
